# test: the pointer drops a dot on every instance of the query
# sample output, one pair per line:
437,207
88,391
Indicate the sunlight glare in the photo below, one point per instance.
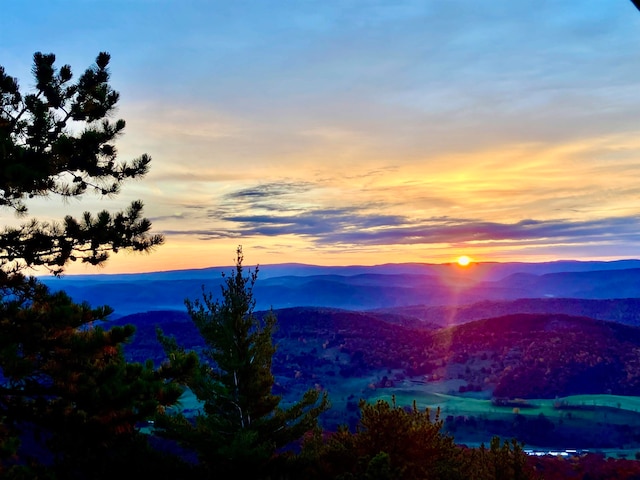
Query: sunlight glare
464,260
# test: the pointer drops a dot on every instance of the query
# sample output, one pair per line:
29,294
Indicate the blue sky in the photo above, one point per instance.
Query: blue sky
362,132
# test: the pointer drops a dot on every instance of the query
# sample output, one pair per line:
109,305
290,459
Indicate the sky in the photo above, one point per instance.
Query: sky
341,132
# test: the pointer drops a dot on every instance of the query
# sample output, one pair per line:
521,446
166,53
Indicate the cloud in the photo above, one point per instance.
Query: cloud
269,190
322,224
278,209
464,232
369,124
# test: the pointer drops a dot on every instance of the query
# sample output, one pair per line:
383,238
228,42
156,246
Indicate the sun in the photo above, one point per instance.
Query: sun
463,260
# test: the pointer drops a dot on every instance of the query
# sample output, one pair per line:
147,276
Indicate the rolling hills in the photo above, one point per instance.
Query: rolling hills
501,331
513,330
621,310
519,355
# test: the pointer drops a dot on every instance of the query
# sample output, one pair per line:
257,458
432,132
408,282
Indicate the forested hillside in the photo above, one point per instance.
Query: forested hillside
522,355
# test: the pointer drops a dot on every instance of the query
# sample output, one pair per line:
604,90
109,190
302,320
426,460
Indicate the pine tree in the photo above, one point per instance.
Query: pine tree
67,386
66,391
58,140
242,424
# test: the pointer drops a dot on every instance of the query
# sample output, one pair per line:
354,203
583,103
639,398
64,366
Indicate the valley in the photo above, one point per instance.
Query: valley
497,355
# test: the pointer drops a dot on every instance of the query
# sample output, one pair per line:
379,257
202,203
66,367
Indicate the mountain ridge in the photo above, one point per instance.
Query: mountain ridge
365,288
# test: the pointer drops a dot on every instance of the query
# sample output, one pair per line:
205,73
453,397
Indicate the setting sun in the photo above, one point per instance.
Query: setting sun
463,260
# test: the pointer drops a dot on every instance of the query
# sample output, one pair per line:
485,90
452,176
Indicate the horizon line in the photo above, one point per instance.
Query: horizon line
300,264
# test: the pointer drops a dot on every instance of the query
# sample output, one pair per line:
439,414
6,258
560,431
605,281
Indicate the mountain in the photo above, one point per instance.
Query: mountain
490,271
592,284
621,310
521,355
362,287
317,323
543,356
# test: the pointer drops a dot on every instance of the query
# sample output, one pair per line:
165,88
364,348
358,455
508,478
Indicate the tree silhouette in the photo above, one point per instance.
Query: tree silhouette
59,140
66,391
242,424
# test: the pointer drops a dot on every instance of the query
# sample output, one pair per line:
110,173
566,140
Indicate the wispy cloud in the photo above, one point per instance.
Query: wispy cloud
466,232
277,209
270,190
335,127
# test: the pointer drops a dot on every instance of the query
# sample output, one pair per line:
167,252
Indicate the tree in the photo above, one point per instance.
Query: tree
242,424
66,390
501,461
59,140
66,385
396,442
409,440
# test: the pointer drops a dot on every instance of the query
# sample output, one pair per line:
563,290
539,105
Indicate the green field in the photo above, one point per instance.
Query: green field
591,407
581,413
586,415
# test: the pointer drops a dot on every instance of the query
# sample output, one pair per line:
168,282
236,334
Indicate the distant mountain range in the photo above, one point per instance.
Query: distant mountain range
490,330
365,287
621,310
487,327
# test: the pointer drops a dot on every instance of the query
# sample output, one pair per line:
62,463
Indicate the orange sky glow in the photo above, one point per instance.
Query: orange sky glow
362,133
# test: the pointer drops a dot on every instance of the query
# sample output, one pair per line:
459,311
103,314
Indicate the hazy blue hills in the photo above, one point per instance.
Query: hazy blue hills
593,284
365,288
622,310
486,271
